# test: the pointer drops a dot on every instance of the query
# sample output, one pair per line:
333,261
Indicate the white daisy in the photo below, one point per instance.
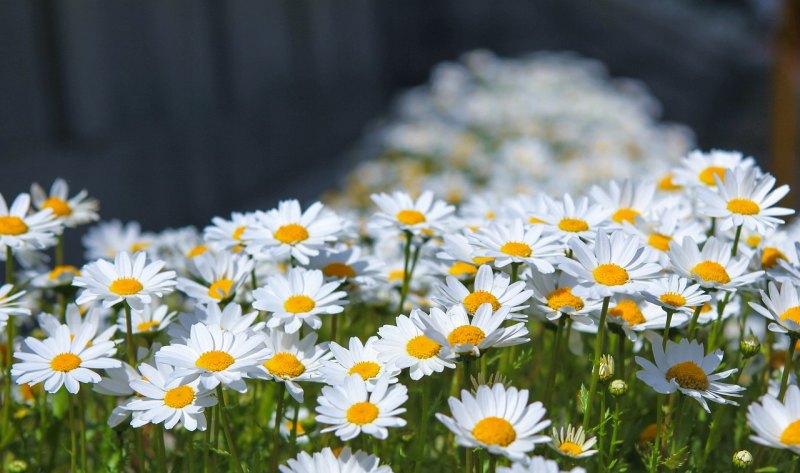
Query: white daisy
776,424
350,408
10,304
229,319
286,427
781,307
634,316
405,346
517,243
92,322
627,200
218,276
327,461
287,231
568,219
229,234
401,212
59,361
701,169
128,279
291,361
107,239
20,230
537,465
298,298
361,359
713,267
618,263
167,400
497,419
553,297
489,288
460,256
74,211
59,276
686,368
572,442
215,356
153,318
675,293
463,336
347,264
666,226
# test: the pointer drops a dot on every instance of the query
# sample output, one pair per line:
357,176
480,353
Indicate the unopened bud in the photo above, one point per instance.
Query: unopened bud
742,459
749,346
618,387
606,368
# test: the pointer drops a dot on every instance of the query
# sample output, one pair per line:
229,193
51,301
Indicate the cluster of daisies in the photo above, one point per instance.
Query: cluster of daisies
506,125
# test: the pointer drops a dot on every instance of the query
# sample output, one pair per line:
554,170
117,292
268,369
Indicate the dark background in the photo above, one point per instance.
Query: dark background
172,111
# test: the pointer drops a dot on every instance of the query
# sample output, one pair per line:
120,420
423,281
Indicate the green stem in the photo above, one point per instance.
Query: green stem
670,313
190,449
678,416
82,430
60,249
207,446
735,248
406,279
276,432
787,367
293,435
492,464
615,428
129,335
9,266
656,452
551,376
10,326
598,347
73,436
158,433
693,322
227,428
423,428
621,354
468,455
514,272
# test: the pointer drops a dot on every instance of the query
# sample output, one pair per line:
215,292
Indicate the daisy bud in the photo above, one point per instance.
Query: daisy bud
742,459
618,387
749,346
606,368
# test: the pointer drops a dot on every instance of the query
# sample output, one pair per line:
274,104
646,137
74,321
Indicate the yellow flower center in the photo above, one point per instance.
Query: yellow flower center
65,362
706,176
770,257
460,268
237,234
711,271
59,207
147,326
410,217
534,221
285,365
791,434
338,270
476,299
197,251
570,448
139,246
743,207
422,347
299,304
688,376
64,269
610,274
125,286
673,299
516,248
659,241
365,369
666,184
628,311
362,413
482,260
10,225
625,215
753,241
220,289
573,225
563,297
494,431
466,335
396,275
792,314
291,234
214,360
180,397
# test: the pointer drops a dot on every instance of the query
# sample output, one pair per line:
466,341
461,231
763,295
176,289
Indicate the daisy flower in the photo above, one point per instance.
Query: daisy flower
700,169
229,234
76,323
329,462
572,442
664,227
168,400
350,408
298,298
463,336
459,255
287,425
638,316
287,231
106,239
568,219
553,297
58,361
10,304
20,230
151,319
347,264
291,360
404,345
229,319
781,307
627,200
489,288
776,424
215,356
536,465
74,211
745,198
686,368
517,243
361,359
497,419
618,263
713,267
423,216
129,279
675,293
220,275
59,276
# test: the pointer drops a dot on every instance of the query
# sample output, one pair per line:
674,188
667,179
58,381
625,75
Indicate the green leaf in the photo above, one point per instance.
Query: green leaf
676,460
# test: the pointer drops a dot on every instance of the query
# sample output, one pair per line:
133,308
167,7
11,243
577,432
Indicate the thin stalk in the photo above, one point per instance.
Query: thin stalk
601,435
276,432
678,416
10,326
735,248
60,250
615,428
190,449
207,446
129,335
73,437
227,428
293,434
670,313
621,354
693,322
406,279
551,376
492,464
598,347
334,326
468,456
787,366
158,433
514,272
82,431
656,452
423,430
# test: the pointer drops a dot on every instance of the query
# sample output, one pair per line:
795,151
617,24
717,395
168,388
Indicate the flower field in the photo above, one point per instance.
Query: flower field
532,275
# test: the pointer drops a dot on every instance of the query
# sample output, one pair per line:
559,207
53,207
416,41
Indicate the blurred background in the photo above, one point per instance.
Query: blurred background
173,111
